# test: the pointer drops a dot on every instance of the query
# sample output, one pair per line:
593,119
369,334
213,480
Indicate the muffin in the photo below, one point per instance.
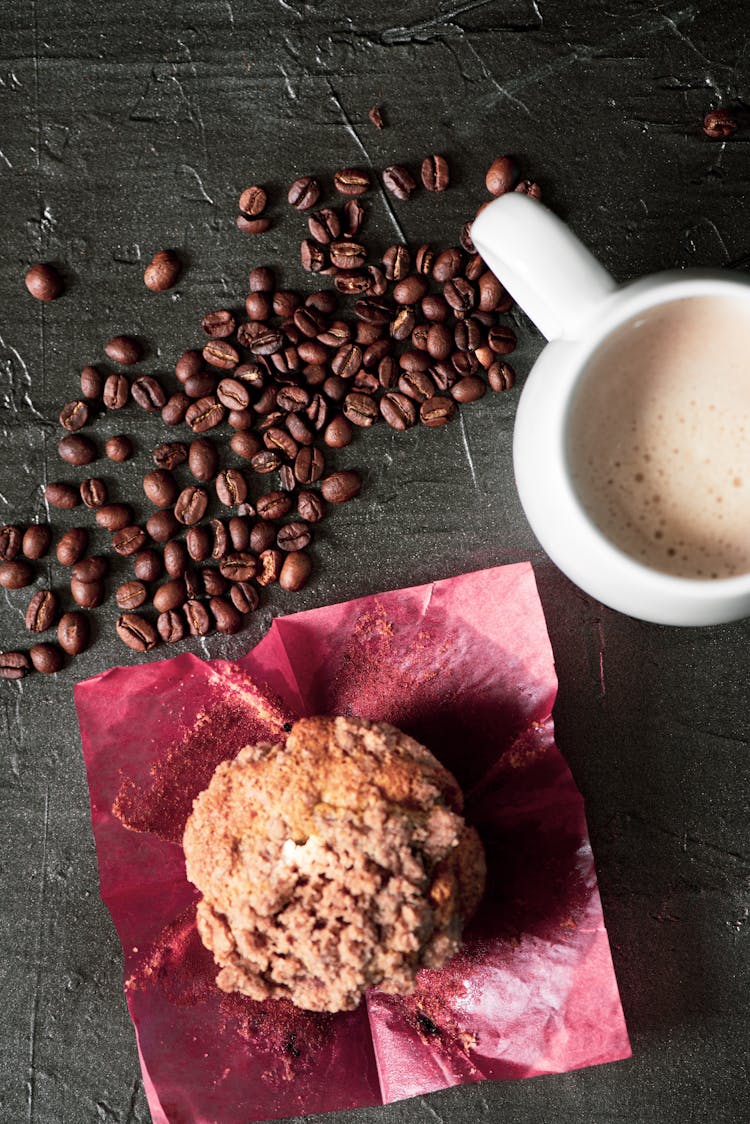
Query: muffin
333,863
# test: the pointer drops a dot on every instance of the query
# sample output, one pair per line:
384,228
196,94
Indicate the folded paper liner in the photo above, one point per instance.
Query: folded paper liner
463,665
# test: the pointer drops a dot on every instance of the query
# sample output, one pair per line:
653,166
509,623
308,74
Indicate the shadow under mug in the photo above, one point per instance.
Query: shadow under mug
577,305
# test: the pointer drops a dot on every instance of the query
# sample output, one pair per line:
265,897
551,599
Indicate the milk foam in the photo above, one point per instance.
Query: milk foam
659,437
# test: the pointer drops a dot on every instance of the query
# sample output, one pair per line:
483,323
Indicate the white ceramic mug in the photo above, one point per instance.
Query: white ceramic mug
576,304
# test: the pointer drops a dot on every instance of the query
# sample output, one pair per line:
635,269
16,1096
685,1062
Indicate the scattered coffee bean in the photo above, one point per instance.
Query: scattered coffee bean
459,294
233,394
119,448
239,533
468,389
360,410
36,541
116,392
245,445
41,611
148,565
136,632
214,584
148,393
351,181
226,617
191,505
198,620
376,117
175,559
160,487
93,492
253,226
338,433
72,546
170,454
73,633
199,544
89,595
114,516
447,265
11,540
14,665
437,411
205,414
270,562
304,193
46,658
265,461
244,597
501,376
203,459
220,353
241,566
162,271
398,410
193,584
131,595
74,415
125,350
128,540
77,450
261,280
341,486
502,175
219,324
43,282
91,569
253,201
162,526
294,536
311,506
502,340
720,123
435,173
274,505
465,238
399,181
171,626
175,408
170,595
231,487
295,572
530,188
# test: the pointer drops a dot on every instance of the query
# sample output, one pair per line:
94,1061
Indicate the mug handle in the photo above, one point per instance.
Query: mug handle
552,276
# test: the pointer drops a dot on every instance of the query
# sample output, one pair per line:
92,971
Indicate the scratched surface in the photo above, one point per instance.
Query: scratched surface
127,127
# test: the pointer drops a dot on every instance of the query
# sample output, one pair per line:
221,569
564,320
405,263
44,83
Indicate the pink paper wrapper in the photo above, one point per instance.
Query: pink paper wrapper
465,666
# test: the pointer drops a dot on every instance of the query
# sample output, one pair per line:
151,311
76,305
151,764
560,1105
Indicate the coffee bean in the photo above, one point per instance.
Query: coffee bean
459,294
351,181
502,175
267,342
465,239
240,566
73,633
253,201
502,340
171,626
226,617
465,362
374,310
265,461
193,584
191,505
274,505
262,536
190,363
213,583
338,433
469,389
341,486
309,465
304,193
118,448
219,324
203,459
169,455
116,392
233,394
279,439
501,376
231,487
221,354
74,415
245,445
124,350
114,516
435,173
148,565
491,292
136,632
347,361
311,506
359,409
43,282
295,572
261,280
36,540
351,281
205,414
312,256
474,268
170,595
266,402
253,226
197,617
292,398
11,540
131,595
530,188
416,385
396,262
91,569
89,595
348,255
72,546
175,408
410,290
299,429
175,559
437,411
720,123
77,450
388,372
443,375
467,335
324,225
270,563
41,611
148,393
46,658
93,492
162,271
162,526
399,181
199,543
447,264
244,597
160,487
14,665
294,536
286,478
62,495
398,410
439,342
128,540
241,419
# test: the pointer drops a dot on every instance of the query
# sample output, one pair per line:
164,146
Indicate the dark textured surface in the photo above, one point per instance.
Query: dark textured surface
128,127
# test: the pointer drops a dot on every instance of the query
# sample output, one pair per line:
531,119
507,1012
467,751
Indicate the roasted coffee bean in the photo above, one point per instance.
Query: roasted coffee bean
148,565
351,181
220,353
399,181
253,201
295,572
261,279
348,255
128,540
292,398
347,361
366,382
258,306
294,536
219,324
193,584
190,363
286,478
491,292
419,336
267,342
435,173
11,540
459,294
174,409
341,486
530,188
424,259
354,215
274,505
116,392
309,321
465,362
72,546
374,310
124,350
299,428
410,290
14,665
435,308
416,385
89,595
226,617
46,658
467,335
720,123
175,559
338,433
77,450
191,505
312,353
285,301
474,268
396,262
91,569
35,542
213,583
239,534
62,495
169,455
304,193
171,626
241,419
244,597
267,460
162,526
219,539
398,410
324,225
240,566
351,281
131,595
502,340
170,595
403,323
231,487
93,492
233,394
203,459
43,282
388,372
465,239
160,487
114,516
162,271
437,411
136,632
443,375
74,415
73,633
447,264
335,388
119,448
205,414
312,256
309,464
311,506
199,543
468,389
41,611
359,409
278,439
197,617
253,226
501,376
270,563
439,342
148,393
502,175
245,445
262,536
